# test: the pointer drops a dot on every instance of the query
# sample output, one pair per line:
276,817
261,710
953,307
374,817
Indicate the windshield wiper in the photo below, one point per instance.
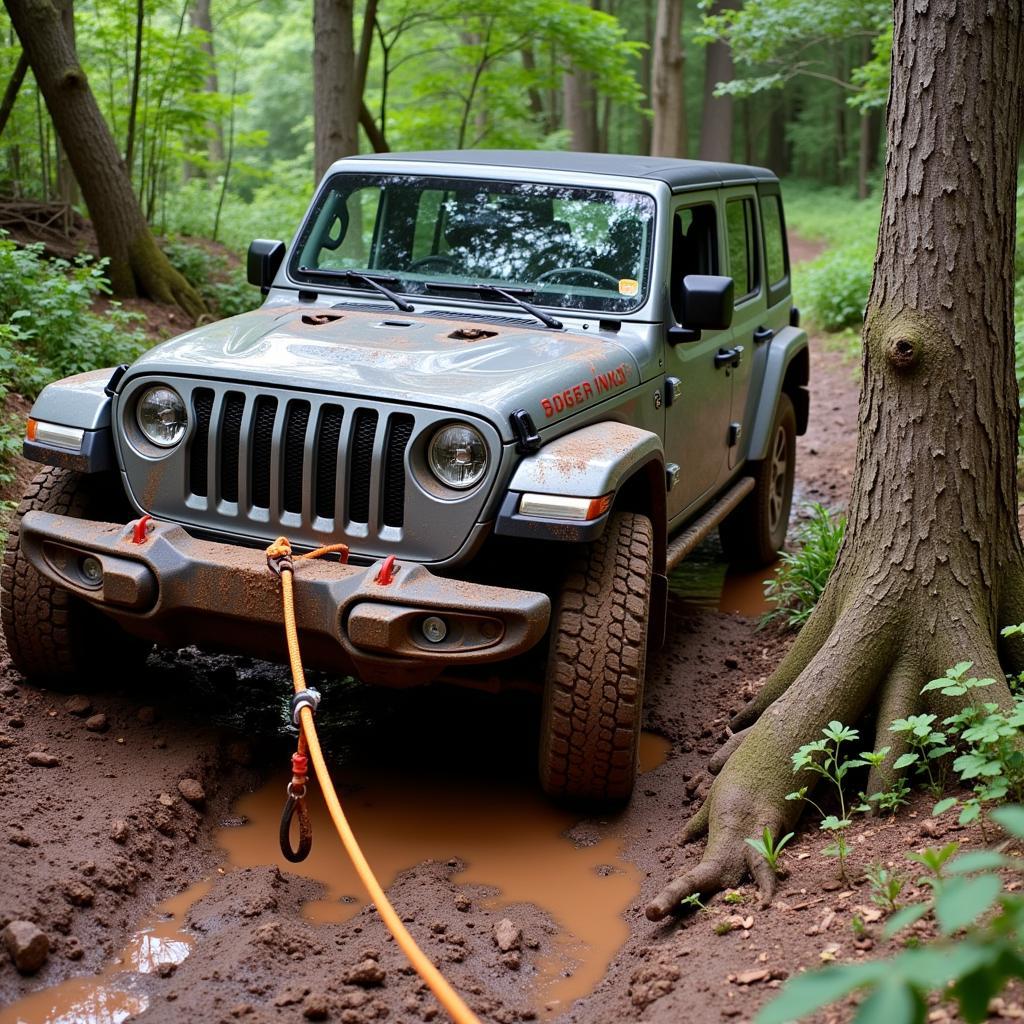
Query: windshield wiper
375,281
512,295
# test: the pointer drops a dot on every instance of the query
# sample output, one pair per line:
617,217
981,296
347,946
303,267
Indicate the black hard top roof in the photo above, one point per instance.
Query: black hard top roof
676,174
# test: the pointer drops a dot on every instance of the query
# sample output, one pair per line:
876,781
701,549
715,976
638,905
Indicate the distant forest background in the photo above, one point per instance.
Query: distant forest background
226,110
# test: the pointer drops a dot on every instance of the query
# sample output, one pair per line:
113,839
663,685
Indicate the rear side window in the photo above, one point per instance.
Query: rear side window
741,226
774,245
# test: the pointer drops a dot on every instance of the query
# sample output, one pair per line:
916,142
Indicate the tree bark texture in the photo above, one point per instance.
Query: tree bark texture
932,565
335,103
668,135
137,265
716,116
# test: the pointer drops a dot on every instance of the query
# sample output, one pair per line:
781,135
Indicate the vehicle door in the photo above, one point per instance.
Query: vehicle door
697,385
751,334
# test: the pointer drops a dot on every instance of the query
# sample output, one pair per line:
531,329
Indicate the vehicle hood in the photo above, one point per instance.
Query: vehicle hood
425,360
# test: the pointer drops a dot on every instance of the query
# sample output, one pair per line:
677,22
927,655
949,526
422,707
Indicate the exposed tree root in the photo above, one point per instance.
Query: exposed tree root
854,660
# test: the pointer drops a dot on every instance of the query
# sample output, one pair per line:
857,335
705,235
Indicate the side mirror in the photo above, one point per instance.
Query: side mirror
264,261
707,306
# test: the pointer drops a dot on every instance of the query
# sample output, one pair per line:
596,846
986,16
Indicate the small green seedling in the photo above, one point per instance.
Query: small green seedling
692,902
769,848
822,757
886,887
733,897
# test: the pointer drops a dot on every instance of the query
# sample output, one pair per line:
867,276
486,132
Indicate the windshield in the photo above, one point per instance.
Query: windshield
571,248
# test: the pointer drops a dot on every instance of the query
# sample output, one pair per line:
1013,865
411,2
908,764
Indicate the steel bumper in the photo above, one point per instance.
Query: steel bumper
178,590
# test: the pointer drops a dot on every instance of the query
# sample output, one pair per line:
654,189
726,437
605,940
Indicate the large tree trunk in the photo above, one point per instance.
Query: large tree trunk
137,266
335,103
668,137
932,566
716,116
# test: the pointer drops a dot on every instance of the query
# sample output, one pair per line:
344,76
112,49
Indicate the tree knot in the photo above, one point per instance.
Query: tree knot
902,352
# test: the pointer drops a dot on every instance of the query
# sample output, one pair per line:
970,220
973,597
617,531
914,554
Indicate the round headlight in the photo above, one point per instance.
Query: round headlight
161,416
458,456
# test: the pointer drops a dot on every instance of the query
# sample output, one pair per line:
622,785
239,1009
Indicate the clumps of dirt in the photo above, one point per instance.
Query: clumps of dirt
93,824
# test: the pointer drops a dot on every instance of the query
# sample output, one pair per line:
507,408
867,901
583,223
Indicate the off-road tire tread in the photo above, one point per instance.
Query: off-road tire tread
51,635
745,533
593,692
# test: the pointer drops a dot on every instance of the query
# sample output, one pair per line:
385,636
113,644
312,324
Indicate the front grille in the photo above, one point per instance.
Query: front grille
262,461
296,457
199,461
360,462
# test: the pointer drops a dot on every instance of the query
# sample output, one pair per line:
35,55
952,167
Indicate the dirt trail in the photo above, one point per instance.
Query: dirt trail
92,845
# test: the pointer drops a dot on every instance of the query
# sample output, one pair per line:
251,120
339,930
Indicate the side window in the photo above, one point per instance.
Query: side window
774,245
741,228
694,248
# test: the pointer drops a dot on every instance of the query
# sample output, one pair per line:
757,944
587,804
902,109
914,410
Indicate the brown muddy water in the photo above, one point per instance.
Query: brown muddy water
511,840
513,844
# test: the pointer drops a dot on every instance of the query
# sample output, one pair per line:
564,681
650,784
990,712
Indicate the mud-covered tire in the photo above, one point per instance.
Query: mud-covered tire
755,532
53,636
594,683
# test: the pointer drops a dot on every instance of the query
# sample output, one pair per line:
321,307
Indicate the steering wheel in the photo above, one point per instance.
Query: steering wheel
436,261
579,275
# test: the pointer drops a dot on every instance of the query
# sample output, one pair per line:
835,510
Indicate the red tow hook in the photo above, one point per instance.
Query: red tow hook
141,528
386,575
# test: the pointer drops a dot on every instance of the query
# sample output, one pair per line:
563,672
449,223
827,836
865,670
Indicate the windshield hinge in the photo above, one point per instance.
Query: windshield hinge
527,438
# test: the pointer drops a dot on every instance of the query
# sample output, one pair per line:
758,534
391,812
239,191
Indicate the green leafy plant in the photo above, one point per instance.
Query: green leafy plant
733,897
770,848
928,749
51,329
692,902
886,887
836,286
980,922
989,738
801,577
824,758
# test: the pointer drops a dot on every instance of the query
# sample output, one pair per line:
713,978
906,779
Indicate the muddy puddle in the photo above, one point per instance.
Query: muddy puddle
706,582
115,994
510,839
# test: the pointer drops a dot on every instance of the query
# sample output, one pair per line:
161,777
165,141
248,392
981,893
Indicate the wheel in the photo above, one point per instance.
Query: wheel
594,683
755,532
52,635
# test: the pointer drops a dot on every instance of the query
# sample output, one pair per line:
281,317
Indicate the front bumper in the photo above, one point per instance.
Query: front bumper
177,590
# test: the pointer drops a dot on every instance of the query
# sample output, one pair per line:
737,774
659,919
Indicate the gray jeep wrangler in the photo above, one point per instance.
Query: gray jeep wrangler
520,386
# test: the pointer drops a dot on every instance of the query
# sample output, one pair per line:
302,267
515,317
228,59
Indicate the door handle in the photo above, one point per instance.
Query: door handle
763,334
728,357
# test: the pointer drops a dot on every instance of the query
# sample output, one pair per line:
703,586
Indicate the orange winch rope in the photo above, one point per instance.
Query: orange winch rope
280,552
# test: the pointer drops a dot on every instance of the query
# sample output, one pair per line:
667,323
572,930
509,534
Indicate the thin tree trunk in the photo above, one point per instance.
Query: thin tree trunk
580,111
373,133
137,266
11,92
335,104
668,137
932,565
67,187
717,112
533,96
133,107
201,18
